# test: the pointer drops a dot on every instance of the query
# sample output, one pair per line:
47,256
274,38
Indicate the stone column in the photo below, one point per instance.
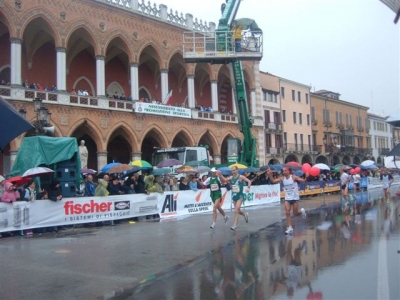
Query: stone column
253,102
101,159
61,69
134,81
190,83
136,156
217,159
164,84
234,108
100,75
214,95
15,61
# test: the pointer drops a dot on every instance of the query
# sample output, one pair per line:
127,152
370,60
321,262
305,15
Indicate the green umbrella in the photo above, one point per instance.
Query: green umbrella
142,163
248,23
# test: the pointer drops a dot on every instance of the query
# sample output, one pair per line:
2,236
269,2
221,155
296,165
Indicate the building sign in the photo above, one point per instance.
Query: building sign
162,110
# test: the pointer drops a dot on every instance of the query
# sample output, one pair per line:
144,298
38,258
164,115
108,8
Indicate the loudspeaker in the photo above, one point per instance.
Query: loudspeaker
49,129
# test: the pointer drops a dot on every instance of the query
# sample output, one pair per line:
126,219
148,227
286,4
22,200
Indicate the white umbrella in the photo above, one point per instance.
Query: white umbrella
367,163
37,171
202,169
322,166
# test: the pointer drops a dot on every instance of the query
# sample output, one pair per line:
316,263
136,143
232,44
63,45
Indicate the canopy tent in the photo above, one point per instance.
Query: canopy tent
11,123
46,151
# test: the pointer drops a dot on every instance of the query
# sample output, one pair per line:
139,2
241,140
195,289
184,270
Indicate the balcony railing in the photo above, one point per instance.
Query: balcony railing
339,126
383,151
300,148
327,123
274,150
273,126
27,95
314,122
363,151
360,128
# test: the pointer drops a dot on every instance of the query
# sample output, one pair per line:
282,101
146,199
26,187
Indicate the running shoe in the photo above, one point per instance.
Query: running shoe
303,213
233,227
246,217
226,218
212,225
289,230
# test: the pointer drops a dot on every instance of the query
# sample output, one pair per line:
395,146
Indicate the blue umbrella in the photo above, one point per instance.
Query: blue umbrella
299,173
109,166
225,171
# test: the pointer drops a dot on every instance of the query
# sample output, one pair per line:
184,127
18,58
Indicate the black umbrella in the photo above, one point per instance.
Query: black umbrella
12,123
395,151
392,159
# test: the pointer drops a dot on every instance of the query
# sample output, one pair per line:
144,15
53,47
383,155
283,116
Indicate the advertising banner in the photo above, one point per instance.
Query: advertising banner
77,210
45,213
180,203
162,110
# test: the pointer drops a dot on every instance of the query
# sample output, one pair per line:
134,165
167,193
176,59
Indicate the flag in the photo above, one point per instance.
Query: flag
168,98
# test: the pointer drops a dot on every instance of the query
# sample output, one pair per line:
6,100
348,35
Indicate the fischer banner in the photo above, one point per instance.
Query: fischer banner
77,210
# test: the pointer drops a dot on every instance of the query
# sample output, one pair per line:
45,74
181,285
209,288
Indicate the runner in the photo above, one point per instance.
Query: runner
344,180
292,197
386,179
237,182
215,193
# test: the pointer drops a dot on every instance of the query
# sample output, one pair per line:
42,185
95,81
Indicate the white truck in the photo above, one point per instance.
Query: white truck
183,154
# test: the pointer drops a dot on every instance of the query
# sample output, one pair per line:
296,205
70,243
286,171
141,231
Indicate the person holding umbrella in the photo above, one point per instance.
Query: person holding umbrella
55,191
215,193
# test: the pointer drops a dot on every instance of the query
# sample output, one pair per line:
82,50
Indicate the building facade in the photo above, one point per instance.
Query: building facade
340,129
381,137
84,58
296,120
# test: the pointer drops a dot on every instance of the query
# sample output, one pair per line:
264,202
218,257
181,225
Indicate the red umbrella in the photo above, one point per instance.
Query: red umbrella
18,180
293,164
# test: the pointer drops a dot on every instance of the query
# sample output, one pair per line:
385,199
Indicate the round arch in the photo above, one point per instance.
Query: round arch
346,160
306,159
291,157
273,161
321,159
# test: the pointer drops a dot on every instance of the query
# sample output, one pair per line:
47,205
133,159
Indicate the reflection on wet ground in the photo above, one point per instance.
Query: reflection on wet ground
338,247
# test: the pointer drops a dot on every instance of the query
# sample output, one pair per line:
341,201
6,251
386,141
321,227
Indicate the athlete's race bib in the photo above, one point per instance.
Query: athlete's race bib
235,189
289,192
214,187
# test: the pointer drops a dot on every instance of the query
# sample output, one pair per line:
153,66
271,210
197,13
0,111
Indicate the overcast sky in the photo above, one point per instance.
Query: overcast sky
346,46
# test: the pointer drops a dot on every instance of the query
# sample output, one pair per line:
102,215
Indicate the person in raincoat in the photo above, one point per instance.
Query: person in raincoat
149,186
101,189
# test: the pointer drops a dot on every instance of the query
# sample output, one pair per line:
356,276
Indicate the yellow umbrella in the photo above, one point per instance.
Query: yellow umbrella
239,166
185,169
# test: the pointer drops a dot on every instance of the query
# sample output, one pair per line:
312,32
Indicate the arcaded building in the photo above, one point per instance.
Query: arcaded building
92,62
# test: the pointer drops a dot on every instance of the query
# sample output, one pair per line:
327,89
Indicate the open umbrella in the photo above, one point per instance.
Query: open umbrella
119,169
248,23
86,171
12,123
251,170
203,169
239,166
293,164
226,171
110,165
367,162
185,169
169,163
133,169
161,171
37,171
142,163
19,180
322,166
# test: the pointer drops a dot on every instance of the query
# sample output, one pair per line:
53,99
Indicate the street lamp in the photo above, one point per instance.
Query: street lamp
42,122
